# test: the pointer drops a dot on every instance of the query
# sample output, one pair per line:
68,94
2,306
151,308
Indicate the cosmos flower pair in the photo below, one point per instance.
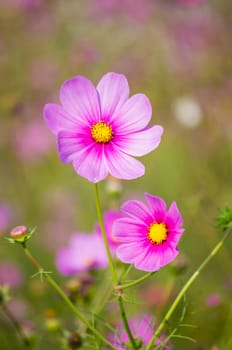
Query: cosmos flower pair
99,130
146,236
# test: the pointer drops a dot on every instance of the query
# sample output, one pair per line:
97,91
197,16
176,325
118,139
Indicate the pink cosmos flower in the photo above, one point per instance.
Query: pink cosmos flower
142,329
150,235
10,275
100,129
85,252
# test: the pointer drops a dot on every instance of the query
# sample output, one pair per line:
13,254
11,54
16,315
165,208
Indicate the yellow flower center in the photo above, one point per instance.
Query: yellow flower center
102,132
157,233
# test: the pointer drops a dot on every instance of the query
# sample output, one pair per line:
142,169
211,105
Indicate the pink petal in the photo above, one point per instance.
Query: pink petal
148,261
58,119
127,253
71,143
128,230
168,254
138,210
140,143
133,116
80,98
157,207
114,91
174,236
173,217
121,165
65,262
90,163
110,217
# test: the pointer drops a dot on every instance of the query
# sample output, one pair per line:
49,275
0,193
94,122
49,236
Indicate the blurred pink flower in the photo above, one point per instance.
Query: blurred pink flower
109,217
149,237
19,308
213,300
138,10
5,217
142,329
191,2
10,275
84,252
32,142
100,129
22,4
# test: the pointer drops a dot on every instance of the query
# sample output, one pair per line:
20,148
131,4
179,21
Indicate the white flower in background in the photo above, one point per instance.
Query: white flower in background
187,112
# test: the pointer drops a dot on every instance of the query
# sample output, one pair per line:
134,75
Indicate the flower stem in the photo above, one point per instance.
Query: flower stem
125,322
101,222
134,283
65,298
17,326
111,264
185,288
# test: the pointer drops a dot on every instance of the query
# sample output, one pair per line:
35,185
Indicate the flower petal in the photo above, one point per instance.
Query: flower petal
68,263
148,261
168,254
140,143
128,230
90,163
157,207
121,165
80,98
113,89
138,210
71,143
58,119
174,236
173,217
127,253
133,116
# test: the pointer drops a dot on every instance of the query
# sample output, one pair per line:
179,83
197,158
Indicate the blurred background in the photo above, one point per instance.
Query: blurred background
177,52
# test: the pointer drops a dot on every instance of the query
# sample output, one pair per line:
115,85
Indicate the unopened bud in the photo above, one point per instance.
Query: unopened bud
74,340
113,186
52,323
19,233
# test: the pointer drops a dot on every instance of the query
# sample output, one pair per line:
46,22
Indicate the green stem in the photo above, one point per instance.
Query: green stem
17,326
65,298
185,288
134,283
113,272
125,322
101,222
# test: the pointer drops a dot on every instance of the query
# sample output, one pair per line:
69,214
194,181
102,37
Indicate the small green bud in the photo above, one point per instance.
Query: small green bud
4,294
52,323
224,219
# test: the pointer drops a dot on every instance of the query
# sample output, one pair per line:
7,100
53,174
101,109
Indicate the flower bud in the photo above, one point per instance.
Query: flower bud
20,233
113,186
52,324
74,340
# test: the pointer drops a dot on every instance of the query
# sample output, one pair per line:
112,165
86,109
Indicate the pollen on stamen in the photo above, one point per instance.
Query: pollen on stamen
102,132
157,233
